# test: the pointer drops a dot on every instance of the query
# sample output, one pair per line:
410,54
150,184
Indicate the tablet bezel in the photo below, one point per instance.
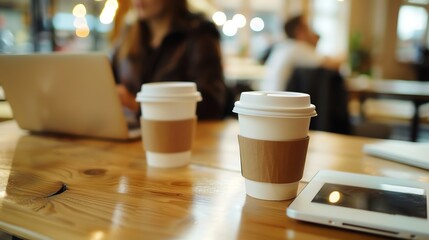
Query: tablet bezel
302,208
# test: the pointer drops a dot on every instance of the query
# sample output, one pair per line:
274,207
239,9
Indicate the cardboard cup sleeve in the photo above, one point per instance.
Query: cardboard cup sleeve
168,136
272,161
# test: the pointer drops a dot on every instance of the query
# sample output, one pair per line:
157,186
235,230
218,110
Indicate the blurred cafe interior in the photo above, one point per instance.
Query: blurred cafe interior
382,43
368,78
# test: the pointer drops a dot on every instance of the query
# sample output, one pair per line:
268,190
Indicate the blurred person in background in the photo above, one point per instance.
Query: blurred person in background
297,50
166,42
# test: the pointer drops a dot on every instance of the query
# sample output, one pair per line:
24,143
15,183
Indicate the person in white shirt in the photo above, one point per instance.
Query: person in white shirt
298,50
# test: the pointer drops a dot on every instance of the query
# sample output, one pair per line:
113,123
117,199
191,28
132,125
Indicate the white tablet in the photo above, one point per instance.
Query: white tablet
379,205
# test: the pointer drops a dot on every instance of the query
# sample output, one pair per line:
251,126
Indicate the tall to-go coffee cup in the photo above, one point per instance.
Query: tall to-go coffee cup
168,122
273,141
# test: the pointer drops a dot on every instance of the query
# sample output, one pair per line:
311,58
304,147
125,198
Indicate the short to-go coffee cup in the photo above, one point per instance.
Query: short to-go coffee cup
273,141
168,122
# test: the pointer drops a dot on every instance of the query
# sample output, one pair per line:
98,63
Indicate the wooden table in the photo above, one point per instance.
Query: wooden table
72,188
414,91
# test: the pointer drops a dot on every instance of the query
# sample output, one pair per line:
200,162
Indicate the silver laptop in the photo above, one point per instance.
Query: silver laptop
66,93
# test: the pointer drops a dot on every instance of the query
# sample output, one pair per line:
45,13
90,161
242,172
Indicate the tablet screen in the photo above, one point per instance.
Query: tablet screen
389,199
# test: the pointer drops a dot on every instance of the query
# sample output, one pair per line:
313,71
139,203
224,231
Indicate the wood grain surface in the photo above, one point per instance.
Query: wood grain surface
61,187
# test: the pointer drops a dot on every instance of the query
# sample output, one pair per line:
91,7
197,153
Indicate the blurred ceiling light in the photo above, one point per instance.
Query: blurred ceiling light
80,22
111,4
229,28
239,20
257,24
79,10
106,18
219,18
109,11
82,32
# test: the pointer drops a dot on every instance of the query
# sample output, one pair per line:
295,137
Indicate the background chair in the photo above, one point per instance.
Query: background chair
329,94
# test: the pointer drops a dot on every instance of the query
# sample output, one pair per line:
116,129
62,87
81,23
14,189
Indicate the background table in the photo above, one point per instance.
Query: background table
71,188
415,91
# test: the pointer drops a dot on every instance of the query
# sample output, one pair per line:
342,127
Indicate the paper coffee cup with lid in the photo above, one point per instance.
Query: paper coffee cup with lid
273,141
168,122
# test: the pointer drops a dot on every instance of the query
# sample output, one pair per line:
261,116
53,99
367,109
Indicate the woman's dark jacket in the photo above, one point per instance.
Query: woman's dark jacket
189,52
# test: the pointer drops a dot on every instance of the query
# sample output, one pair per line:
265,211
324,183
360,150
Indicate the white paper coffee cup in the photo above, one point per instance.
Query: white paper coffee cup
168,101
273,116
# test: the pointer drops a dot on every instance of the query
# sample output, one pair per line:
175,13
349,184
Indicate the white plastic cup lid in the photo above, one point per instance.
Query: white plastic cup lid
275,104
168,91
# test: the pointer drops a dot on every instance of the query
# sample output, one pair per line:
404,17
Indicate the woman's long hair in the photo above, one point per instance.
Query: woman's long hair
131,44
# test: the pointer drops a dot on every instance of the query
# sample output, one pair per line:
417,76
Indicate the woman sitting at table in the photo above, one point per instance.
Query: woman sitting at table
166,42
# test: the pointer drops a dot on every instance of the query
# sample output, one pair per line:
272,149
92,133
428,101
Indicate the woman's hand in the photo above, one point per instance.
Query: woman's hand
127,99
